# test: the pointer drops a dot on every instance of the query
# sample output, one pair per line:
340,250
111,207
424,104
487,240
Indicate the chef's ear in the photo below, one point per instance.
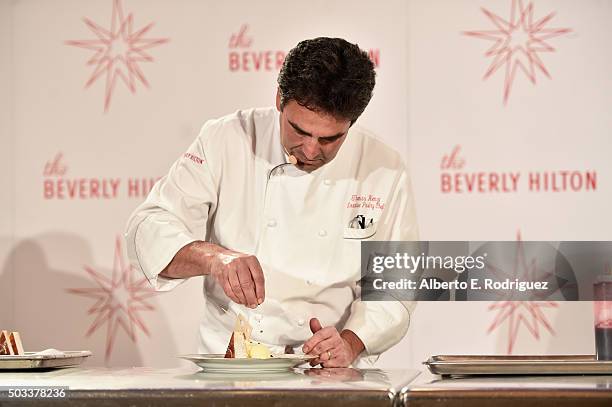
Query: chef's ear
278,100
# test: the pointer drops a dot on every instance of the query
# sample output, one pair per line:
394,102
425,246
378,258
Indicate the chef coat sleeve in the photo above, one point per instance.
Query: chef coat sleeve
382,324
175,213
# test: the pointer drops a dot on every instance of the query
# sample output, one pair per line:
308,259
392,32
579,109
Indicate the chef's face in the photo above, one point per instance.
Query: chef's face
313,138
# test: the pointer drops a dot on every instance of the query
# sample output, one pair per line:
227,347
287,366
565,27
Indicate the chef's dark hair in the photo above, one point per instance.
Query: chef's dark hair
329,75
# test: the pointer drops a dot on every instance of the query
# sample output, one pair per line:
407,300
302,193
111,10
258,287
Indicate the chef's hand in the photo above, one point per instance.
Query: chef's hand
240,275
333,349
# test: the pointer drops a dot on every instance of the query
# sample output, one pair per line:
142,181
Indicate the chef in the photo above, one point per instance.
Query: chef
271,205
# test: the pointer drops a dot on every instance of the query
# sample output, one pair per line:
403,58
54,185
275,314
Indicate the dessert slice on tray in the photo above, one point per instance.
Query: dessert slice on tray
13,357
10,343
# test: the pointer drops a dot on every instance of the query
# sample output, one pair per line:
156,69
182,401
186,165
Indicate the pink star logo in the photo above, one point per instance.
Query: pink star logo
521,313
517,43
118,300
118,51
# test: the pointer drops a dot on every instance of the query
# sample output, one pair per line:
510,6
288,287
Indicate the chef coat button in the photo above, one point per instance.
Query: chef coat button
322,232
272,223
301,322
327,182
258,317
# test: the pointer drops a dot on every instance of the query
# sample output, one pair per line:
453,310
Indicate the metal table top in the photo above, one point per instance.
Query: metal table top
177,387
305,387
527,391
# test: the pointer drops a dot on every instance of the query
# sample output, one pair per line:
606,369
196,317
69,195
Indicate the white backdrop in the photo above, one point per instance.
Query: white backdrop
6,166
556,124
77,159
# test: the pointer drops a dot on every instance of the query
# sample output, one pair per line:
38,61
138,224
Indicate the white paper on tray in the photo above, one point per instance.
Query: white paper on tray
50,352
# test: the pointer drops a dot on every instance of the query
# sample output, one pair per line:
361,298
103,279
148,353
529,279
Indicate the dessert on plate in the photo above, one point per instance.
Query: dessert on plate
241,346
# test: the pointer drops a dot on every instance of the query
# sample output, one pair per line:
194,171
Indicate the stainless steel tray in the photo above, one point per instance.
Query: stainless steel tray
448,365
32,361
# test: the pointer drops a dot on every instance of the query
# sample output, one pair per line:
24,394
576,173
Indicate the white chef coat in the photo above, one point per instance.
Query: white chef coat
234,187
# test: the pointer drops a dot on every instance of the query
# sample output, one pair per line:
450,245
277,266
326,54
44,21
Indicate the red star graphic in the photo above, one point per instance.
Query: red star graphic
517,313
118,51
517,43
118,300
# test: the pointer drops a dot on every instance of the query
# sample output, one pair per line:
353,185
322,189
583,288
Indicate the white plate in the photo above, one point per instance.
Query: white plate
217,363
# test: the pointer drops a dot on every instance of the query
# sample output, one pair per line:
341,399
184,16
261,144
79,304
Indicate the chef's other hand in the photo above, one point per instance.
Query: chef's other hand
333,349
241,277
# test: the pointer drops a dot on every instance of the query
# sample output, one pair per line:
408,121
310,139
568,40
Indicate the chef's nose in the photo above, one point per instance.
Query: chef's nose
311,148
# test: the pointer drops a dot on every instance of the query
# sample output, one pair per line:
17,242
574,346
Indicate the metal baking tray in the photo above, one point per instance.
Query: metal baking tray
460,365
33,361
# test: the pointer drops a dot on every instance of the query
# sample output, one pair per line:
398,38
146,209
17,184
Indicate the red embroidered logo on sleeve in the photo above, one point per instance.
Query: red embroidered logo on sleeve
194,158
